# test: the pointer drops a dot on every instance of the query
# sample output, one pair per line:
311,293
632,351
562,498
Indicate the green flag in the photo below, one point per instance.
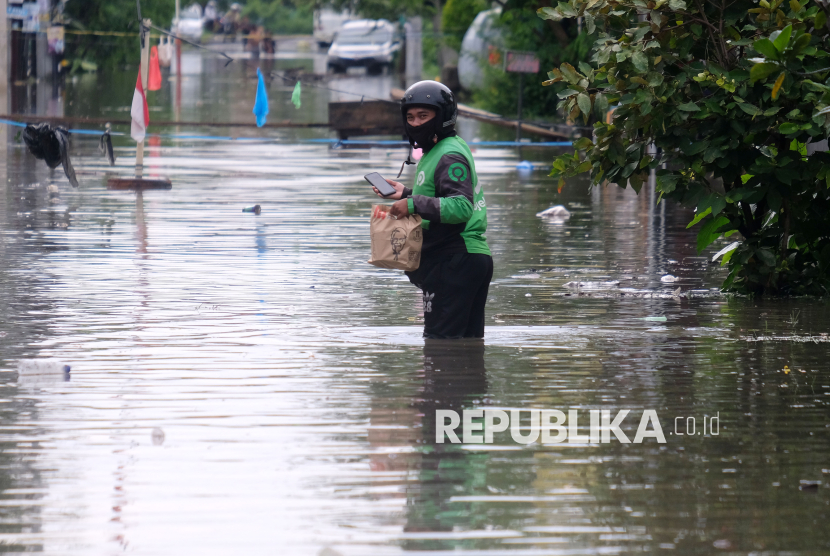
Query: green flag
295,96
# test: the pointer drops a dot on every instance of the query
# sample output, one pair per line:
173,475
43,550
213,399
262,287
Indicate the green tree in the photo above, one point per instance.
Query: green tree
112,15
732,94
281,16
382,9
457,17
554,42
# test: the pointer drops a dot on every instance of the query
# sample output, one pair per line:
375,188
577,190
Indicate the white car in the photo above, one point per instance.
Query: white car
191,23
366,42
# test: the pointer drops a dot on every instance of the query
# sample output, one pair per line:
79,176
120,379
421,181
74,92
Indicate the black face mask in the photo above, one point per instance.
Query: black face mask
423,134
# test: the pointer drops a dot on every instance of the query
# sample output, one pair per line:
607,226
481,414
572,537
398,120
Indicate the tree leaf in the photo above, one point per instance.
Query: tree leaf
689,107
783,39
788,128
589,23
640,61
778,83
802,42
698,217
767,48
601,104
761,71
728,249
677,5
566,9
570,73
583,167
549,13
749,109
583,143
820,21
709,232
727,257
584,102
766,257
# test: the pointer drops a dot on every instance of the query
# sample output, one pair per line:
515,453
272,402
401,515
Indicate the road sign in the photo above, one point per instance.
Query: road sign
521,62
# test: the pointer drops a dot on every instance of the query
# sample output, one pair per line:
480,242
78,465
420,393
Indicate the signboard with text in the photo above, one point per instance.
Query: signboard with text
521,62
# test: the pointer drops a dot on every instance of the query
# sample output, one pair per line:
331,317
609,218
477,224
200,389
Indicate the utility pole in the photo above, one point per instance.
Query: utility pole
178,105
5,49
144,37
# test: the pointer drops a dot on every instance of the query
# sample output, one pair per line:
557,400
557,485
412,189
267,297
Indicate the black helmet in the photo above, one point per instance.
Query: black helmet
432,95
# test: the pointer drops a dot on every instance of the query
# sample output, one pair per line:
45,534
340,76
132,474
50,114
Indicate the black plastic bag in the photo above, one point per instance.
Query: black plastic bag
50,144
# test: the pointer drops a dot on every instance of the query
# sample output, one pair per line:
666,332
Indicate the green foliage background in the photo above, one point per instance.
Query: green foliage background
111,15
283,17
457,17
522,29
731,95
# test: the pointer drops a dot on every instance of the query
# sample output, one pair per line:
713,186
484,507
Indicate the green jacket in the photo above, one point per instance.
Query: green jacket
448,196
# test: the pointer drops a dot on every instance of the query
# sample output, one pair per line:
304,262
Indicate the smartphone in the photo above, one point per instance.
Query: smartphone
380,184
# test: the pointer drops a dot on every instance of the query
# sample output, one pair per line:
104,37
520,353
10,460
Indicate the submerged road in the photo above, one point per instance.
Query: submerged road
249,384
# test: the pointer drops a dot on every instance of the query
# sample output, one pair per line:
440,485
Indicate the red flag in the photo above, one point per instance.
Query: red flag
139,112
154,79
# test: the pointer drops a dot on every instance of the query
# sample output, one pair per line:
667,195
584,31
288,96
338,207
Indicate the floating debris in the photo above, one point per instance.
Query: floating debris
50,144
557,212
105,145
157,436
256,209
38,371
791,338
592,285
809,486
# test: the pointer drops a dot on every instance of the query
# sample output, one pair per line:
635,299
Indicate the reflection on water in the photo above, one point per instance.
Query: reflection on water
248,384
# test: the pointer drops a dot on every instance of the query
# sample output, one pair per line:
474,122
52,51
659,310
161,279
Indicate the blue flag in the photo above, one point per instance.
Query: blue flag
261,102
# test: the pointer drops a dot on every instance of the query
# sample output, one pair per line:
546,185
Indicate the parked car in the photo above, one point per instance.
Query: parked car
364,42
190,25
326,24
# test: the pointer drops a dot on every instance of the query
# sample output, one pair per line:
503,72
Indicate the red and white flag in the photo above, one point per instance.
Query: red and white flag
139,112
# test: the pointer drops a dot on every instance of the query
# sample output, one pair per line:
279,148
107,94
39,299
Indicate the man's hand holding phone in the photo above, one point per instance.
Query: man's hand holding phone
398,190
393,190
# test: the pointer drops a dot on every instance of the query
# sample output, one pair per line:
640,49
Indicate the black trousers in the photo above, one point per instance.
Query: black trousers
455,292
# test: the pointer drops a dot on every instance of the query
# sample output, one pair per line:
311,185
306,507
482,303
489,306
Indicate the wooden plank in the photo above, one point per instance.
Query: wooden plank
142,184
490,117
376,117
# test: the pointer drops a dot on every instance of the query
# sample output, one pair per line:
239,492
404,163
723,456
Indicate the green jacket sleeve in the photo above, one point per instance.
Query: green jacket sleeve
453,201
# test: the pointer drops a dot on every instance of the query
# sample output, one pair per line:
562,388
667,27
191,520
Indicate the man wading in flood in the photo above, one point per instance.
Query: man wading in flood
456,266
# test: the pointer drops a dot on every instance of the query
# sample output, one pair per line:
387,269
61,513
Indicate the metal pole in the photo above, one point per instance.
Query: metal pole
144,37
519,119
178,104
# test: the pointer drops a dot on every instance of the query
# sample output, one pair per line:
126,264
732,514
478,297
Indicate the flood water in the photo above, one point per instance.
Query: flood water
246,384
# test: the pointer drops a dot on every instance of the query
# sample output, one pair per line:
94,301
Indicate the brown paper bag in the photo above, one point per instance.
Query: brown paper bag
395,243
